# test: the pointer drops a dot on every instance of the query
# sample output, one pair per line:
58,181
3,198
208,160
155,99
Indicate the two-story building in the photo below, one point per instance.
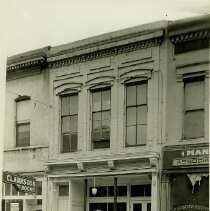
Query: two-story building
27,113
115,122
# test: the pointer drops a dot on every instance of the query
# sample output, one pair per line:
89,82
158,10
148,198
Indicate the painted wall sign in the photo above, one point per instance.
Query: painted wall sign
22,183
176,157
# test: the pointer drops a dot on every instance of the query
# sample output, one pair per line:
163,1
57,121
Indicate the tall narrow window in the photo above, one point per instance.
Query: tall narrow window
69,121
23,115
194,107
101,114
136,114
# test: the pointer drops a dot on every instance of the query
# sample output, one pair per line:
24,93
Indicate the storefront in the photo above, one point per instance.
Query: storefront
23,193
123,185
185,179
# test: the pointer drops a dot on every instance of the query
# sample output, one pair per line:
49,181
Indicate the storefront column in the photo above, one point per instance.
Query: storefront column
52,196
85,194
155,192
44,194
165,193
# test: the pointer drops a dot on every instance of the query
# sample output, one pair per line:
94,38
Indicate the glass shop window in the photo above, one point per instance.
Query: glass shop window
38,188
191,194
101,118
63,190
108,191
23,122
194,96
136,114
141,190
69,121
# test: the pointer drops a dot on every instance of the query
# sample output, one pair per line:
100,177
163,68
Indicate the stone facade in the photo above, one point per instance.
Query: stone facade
163,55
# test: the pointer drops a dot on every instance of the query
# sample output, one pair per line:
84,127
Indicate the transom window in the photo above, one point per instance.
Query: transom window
194,99
69,121
136,114
101,114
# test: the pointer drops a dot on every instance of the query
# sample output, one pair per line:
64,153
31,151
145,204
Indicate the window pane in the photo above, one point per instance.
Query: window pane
14,190
98,206
38,187
121,191
106,115
147,190
97,121
73,142
106,134
63,190
73,104
137,190
65,106
194,124
149,207
141,134
194,95
131,95
131,116
66,124
101,144
101,191
7,189
105,125
23,135
120,206
106,100
97,125
96,135
66,143
23,110
142,94
96,101
74,124
137,207
142,115
131,135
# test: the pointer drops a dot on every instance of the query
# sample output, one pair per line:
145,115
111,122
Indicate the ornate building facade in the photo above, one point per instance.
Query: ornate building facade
115,122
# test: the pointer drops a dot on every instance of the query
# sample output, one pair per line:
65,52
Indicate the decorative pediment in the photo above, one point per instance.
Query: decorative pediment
67,88
100,80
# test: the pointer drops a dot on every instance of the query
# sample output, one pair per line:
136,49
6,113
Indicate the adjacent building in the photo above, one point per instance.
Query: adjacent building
114,122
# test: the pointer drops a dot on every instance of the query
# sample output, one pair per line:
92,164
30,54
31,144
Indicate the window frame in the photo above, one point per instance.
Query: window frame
94,90
135,83
191,79
23,98
61,122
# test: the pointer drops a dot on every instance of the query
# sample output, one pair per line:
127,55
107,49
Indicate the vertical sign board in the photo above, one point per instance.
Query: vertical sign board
22,183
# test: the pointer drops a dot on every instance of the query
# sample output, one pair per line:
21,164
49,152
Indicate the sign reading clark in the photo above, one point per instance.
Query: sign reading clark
185,156
22,183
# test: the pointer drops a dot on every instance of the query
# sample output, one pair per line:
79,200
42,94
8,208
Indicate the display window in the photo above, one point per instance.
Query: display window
189,192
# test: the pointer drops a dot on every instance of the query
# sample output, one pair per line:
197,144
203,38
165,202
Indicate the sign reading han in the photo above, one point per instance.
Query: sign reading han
22,183
176,157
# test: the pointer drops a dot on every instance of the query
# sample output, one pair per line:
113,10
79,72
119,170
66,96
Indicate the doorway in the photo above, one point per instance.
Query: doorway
141,206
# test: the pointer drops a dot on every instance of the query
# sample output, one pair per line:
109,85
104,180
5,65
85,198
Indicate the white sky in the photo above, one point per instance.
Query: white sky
33,24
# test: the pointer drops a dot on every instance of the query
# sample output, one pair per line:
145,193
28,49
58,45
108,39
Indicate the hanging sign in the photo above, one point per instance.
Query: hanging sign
22,183
186,156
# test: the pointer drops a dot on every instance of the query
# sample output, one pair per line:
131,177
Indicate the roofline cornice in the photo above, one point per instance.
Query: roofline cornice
92,54
193,35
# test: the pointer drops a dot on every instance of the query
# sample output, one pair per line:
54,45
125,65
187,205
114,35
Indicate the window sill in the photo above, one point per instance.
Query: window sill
193,140
25,148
